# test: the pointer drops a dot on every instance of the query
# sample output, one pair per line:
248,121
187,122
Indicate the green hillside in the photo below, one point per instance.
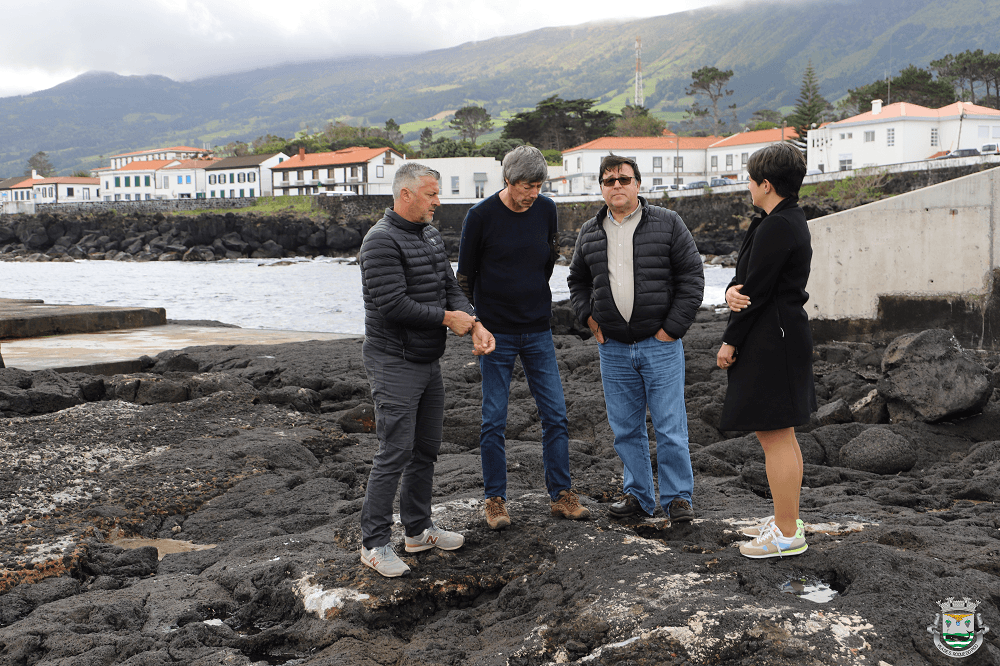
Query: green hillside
95,115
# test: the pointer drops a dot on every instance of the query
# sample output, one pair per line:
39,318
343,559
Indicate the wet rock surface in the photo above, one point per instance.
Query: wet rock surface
215,521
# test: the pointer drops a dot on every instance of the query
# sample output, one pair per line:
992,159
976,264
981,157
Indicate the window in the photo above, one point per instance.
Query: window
454,185
128,181
315,175
984,131
354,172
148,196
380,171
743,158
657,164
890,137
118,197
187,179
934,136
118,181
846,135
232,193
480,190
180,180
241,193
107,184
86,193
211,179
870,136
242,177
284,177
128,197
657,181
729,161
251,191
252,177
846,162
166,182
146,181
212,194
69,192
679,163
715,162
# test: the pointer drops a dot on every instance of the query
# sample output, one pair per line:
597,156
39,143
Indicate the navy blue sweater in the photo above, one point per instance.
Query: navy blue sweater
505,262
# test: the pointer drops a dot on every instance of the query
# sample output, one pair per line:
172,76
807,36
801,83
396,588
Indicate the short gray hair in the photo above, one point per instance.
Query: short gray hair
525,164
408,177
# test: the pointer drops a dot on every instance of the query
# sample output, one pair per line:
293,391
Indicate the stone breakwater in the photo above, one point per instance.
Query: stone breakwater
205,511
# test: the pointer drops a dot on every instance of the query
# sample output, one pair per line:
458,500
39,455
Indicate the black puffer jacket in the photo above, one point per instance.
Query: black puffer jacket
407,284
668,272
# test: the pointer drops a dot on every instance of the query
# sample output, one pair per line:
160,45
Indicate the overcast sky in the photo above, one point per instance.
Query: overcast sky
46,42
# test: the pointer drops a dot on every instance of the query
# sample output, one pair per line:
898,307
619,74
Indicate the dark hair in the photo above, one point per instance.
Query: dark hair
782,165
612,161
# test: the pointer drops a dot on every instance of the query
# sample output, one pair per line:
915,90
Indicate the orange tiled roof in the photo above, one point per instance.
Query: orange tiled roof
193,164
26,183
772,135
145,165
69,180
175,149
353,155
908,110
622,143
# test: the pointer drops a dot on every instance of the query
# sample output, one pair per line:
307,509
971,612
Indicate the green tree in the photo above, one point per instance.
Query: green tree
392,131
552,157
637,121
426,138
810,107
912,84
559,124
268,144
445,147
710,82
497,148
81,173
472,122
763,119
40,164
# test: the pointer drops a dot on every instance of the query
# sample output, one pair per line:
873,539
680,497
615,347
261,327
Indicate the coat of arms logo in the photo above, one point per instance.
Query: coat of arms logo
958,629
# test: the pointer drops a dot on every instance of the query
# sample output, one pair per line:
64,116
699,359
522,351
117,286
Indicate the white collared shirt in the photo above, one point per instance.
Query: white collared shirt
620,254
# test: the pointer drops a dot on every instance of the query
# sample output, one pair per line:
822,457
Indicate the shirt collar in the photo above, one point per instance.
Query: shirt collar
628,217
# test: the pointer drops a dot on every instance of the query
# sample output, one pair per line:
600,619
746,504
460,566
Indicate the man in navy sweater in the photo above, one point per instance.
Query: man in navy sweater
504,265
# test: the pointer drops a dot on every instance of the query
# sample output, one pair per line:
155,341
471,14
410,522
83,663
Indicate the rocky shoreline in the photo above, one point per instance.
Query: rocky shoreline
205,511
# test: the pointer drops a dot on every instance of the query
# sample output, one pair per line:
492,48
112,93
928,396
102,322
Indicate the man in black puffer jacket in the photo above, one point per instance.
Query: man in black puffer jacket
637,281
411,296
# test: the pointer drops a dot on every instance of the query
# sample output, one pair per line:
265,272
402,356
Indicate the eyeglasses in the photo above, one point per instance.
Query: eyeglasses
610,182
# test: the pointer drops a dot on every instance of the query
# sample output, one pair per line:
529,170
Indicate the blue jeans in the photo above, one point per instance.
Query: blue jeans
538,358
650,373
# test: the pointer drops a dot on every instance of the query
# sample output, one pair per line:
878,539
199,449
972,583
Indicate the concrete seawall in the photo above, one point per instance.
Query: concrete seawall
924,259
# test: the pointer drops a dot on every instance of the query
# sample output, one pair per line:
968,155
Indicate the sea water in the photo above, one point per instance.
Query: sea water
322,294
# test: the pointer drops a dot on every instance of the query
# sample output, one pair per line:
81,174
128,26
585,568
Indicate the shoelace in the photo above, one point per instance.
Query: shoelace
495,509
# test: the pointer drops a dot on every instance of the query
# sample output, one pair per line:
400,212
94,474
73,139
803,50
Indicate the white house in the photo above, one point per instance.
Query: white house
17,195
467,177
250,174
188,179
159,154
356,169
662,160
900,132
136,180
727,158
66,189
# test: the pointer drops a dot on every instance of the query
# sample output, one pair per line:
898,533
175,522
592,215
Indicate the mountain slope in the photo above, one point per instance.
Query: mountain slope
850,42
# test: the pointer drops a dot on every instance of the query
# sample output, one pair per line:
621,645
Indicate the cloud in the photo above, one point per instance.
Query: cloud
189,39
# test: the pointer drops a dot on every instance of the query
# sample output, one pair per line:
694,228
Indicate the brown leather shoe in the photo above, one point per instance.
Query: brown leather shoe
568,506
496,513
627,507
681,511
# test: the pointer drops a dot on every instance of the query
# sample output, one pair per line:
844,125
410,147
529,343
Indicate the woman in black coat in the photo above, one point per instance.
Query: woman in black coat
767,346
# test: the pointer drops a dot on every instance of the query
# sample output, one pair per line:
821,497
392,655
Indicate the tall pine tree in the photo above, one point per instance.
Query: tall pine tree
810,106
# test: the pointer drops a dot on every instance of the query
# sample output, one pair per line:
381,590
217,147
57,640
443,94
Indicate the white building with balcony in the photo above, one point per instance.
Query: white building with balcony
247,175
900,132
186,179
137,180
356,169
662,160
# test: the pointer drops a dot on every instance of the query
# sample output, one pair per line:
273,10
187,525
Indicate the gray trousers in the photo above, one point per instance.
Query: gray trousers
409,411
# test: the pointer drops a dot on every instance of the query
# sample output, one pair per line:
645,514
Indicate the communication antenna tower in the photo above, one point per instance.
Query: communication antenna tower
639,98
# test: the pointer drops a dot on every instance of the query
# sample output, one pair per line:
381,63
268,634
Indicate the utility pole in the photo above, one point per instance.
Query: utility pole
639,97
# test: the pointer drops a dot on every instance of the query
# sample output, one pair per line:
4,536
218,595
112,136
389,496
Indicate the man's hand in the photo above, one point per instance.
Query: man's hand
459,322
663,336
595,328
735,300
726,356
483,341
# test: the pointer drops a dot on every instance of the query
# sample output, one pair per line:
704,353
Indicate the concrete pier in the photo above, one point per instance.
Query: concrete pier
110,340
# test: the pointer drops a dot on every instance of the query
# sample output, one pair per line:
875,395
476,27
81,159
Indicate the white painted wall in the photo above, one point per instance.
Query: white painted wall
465,170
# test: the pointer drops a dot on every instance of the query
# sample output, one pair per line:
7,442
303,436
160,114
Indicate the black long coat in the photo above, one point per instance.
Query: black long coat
771,382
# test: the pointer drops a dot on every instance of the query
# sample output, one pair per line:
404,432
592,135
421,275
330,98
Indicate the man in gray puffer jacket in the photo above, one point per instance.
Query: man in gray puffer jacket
411,296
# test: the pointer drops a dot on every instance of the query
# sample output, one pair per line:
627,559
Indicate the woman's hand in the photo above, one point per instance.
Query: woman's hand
726,356
735,300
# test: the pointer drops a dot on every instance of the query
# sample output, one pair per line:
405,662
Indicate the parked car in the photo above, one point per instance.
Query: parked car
697,185
961,152
656,189
990,149
722,182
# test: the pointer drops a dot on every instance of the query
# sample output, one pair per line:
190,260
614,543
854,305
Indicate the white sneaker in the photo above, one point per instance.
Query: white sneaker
755,531
384,560
433,537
